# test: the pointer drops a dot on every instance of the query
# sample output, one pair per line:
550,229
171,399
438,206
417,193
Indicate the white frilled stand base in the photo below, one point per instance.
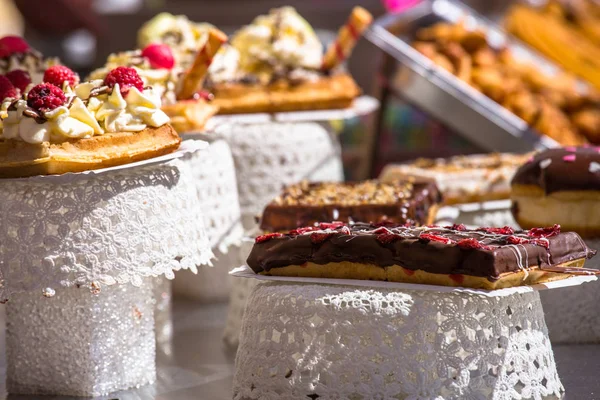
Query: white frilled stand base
78,256
216,186
271,151
572,314
324,341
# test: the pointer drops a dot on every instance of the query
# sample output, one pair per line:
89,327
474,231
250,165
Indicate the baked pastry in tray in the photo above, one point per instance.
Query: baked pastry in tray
486,258
463,179
277,64
84,126
398,202
561,185
556,105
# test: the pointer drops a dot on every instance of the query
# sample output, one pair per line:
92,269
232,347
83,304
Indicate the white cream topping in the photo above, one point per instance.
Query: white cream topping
103,113
281,37
163,81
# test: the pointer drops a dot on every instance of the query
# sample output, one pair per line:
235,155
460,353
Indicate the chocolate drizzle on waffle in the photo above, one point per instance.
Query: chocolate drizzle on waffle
372,201
484,252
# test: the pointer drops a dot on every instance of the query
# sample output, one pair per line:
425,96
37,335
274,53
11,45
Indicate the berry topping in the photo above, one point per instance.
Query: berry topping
45,97
544,232
126,77
7,89
19,78
541,242
301,231
471,243
457,227
10,45
331,225
159,56
507,230
569,158
318,237
435,238
58,74
385,238
381,230
268,236
516,240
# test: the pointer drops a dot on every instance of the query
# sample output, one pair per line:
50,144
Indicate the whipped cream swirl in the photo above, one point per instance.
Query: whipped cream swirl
91,109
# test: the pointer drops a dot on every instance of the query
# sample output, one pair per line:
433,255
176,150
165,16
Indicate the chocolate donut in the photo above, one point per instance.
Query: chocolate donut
560,186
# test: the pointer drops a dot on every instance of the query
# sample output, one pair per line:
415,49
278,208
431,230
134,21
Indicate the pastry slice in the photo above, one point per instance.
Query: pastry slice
397,202
486,258
463,179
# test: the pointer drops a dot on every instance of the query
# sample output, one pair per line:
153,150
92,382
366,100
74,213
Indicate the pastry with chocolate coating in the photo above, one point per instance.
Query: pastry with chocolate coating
399,202
560,186
486,258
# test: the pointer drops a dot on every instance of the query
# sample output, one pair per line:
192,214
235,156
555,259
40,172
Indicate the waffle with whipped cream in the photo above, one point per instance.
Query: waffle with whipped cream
89,125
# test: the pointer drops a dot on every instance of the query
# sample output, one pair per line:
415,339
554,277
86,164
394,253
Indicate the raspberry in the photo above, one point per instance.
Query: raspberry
45,97
6,88
19,78
10,45
126,77
318,238
58,74
507,230
435,238
268,236
159,55
544,232
471,243
385,238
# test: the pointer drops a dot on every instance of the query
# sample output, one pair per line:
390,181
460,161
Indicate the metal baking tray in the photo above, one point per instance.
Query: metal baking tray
441,94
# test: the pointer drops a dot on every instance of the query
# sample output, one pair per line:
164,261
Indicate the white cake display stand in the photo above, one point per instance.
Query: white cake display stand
378,341
215,180
572,314
77,257
271,151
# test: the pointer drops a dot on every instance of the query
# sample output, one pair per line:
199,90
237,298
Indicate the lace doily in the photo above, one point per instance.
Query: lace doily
215,181
572,313
99,229
78,343
340,342
239,293
271,155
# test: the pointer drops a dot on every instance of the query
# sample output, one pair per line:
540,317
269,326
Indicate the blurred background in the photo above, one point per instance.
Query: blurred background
84,32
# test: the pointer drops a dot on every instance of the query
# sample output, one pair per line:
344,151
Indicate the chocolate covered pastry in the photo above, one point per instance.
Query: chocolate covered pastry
486,258
396,202
463,179
560,185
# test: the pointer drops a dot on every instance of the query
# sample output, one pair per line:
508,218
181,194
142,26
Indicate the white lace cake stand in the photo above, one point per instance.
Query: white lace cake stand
76,255
268,156
324,341
216,186
271,155
572,313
